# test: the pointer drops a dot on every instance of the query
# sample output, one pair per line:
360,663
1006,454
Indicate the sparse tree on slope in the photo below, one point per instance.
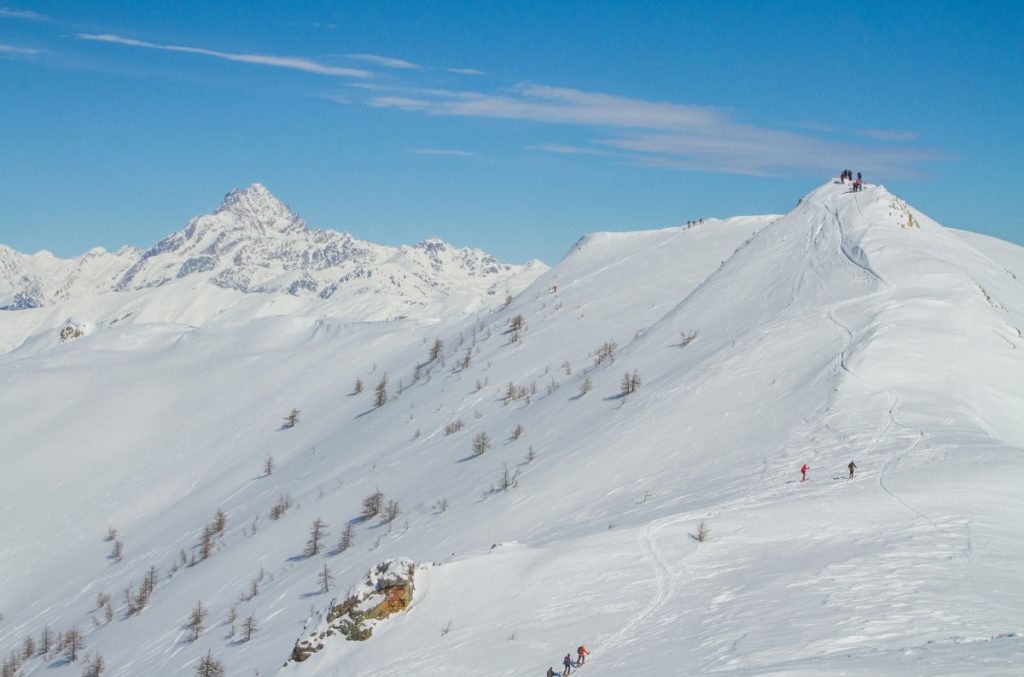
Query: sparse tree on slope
196,620
481,443
209,666
315,544
347,538
73,644
326,579
249,628
436,350
372,505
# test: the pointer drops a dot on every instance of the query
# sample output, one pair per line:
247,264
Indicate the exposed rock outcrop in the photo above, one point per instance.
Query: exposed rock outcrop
387,590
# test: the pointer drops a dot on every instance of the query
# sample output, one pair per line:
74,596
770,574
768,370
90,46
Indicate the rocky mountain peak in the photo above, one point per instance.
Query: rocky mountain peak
256,206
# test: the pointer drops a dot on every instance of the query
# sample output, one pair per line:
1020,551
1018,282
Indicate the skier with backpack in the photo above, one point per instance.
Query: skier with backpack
567,662
852,467
581,655
551,673
803,473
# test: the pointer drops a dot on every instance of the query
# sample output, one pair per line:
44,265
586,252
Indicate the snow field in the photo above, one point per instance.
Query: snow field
830,334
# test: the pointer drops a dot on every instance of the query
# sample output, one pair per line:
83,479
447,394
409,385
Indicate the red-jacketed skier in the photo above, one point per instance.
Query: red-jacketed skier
581,655
803,473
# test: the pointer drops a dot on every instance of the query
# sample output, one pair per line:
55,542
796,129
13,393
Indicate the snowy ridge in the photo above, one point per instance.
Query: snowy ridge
267,260
852,328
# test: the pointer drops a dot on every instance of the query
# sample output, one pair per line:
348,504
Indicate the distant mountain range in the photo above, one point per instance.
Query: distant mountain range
254,245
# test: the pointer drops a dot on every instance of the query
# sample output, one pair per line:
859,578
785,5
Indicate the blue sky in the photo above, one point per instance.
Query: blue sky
513,127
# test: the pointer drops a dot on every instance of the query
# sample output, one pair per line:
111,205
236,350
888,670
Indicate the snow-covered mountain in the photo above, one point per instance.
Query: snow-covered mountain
852,328
251,257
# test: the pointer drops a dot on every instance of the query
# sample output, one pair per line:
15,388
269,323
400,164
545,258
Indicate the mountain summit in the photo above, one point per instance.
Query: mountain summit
258,208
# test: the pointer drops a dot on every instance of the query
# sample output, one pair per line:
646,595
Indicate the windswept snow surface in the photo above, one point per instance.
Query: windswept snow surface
844,330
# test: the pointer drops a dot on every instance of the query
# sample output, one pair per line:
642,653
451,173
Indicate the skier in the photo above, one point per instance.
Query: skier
567,662
852,467
581,655
551,673
803,473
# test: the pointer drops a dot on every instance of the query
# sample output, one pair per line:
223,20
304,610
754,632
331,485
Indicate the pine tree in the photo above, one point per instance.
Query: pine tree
326,579
73,643
149,582
45,640
481,443
117,551
436,350
347,538
358,387
391,513
315,544
291,419
232,618
249,627
28,647
372,505
268,466
380,397
94,667
209,666
196,620
220,523
206,544
284,503
630,383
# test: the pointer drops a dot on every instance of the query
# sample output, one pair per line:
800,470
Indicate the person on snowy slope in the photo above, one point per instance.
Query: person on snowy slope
552,673
852,467
567,662
803,473
581,655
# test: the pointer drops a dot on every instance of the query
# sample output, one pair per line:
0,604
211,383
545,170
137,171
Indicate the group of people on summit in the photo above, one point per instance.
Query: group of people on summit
568,665
847,174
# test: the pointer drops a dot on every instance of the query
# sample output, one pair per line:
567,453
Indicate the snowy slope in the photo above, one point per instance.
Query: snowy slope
251,257
832,333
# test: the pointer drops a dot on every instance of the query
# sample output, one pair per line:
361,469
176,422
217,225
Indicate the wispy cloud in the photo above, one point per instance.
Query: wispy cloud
542,103
888,134
385,61
9,50
8,13
441,151
667,134
294,63
816,126
466,71
563,149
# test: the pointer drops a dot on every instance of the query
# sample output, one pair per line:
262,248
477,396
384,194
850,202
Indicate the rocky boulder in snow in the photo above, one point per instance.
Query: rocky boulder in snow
387,590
